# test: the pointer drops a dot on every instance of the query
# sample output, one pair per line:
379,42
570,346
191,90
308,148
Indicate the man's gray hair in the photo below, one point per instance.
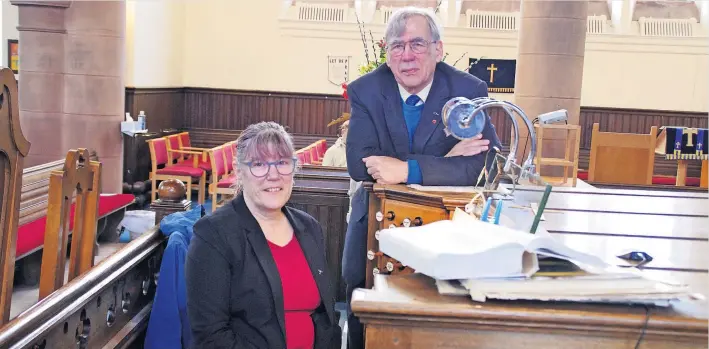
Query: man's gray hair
397,23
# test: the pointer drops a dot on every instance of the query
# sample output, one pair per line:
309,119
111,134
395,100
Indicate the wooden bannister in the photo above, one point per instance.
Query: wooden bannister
13,149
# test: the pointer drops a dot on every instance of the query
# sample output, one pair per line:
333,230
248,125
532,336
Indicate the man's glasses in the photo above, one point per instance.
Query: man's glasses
417,46
259,169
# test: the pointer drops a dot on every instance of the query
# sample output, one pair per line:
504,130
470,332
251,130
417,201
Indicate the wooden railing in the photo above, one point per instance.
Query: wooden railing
109,303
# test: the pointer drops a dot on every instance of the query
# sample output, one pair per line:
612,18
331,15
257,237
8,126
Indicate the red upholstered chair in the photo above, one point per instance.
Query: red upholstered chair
186,144
162,169
306,154
222,180
229,153
194,158
315,158
301,156
322,148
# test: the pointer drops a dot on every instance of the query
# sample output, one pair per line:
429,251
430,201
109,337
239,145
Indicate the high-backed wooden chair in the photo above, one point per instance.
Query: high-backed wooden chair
186,143
322,148
162,169
622,158
13,149
82,176
178,153
229,153
223,181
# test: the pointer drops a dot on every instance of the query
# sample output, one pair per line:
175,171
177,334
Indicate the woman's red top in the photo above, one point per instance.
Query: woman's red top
300,293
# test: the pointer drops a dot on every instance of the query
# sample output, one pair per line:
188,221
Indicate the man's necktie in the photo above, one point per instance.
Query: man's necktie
413,100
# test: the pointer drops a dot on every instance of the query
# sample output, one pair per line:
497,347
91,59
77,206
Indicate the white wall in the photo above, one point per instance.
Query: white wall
243,44
154,43
247,46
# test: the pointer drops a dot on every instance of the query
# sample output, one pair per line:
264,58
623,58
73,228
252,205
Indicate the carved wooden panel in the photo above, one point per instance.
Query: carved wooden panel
13,149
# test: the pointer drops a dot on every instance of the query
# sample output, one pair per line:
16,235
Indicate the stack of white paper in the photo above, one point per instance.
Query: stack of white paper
483,260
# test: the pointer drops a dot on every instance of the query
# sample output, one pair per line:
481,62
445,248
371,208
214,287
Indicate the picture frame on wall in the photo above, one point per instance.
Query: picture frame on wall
13,55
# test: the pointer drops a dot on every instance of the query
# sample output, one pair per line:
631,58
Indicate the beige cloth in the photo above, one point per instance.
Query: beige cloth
335,156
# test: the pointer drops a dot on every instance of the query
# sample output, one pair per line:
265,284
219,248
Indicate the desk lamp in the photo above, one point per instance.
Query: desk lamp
465,118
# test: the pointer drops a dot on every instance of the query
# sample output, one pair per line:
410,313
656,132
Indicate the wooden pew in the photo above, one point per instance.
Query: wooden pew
80,178
622,157
13,149
33,218
322,193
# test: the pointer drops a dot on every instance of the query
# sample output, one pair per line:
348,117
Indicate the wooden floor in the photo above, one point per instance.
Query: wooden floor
23,297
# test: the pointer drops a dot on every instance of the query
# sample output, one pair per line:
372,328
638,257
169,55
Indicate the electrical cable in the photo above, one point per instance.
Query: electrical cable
647,321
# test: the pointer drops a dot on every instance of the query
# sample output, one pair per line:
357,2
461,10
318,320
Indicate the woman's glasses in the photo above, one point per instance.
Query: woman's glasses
259,169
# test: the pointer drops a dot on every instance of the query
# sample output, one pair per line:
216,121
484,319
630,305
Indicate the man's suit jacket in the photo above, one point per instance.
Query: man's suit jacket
234,292
377,127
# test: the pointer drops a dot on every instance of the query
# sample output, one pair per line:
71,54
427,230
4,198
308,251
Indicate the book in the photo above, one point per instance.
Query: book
466,248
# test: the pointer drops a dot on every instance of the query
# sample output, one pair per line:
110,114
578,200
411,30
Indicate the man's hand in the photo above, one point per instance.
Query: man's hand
387,170
469,147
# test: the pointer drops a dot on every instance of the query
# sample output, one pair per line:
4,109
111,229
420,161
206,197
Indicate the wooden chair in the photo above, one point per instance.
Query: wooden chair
13,149
223,180
81,176
159,156
622,158
229,154
186,144
322,148
569,163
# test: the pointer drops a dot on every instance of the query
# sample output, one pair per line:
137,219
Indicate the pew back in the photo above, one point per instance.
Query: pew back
622,157
13,149
35,190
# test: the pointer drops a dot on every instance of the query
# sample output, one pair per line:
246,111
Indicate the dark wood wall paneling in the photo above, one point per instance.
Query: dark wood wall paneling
164,107
222,110
234,110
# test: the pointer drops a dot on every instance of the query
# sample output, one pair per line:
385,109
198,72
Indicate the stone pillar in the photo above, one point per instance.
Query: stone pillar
71,87
41,79
552,43
94,92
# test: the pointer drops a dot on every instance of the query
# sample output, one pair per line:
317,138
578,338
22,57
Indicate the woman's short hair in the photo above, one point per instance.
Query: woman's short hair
260,141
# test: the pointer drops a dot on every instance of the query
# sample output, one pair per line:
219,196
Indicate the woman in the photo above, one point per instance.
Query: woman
256,272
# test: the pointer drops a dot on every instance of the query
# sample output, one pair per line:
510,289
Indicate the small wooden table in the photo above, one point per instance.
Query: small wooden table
406,311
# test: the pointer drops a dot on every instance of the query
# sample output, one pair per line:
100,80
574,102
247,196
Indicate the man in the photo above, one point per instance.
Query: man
335,155
397,133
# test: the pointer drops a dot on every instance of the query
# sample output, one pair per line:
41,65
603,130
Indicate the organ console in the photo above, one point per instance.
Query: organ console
392,206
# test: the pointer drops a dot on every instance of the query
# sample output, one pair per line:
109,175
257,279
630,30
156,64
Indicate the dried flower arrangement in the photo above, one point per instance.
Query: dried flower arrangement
378,58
